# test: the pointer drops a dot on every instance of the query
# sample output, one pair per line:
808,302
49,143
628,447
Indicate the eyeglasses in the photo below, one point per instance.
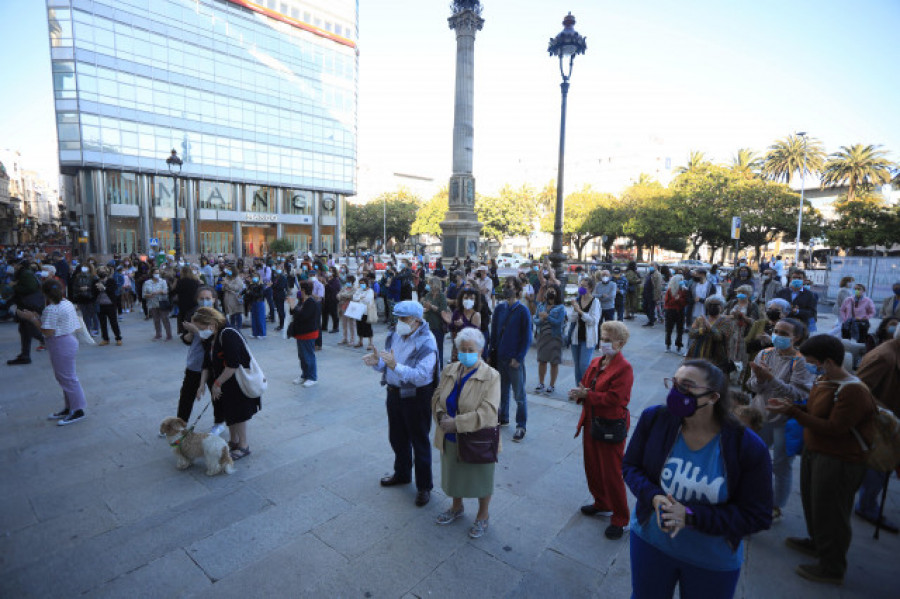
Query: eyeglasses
685,386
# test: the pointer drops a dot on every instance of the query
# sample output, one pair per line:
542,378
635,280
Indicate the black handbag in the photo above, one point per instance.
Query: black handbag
479,447
608,430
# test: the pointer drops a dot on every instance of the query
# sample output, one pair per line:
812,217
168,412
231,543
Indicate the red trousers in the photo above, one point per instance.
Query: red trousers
603,468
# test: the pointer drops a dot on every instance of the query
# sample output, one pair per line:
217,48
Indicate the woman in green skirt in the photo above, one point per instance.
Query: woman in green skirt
466,400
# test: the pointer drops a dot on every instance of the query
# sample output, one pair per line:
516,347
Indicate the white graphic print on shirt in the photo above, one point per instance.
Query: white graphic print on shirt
681,478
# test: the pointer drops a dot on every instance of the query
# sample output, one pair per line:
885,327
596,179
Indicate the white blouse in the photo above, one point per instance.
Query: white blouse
61,318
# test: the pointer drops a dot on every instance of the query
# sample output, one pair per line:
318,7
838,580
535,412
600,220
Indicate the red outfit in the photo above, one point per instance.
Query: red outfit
675,302
609,391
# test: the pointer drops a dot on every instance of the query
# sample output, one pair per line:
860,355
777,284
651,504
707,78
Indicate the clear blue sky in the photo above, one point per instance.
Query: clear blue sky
707,75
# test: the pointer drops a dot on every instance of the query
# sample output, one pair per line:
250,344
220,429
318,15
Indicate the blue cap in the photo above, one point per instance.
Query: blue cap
408,308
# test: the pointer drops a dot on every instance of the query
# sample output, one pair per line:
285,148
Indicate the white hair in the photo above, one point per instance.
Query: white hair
472,335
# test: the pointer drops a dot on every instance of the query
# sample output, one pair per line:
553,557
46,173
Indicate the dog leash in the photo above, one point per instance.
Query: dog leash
190,429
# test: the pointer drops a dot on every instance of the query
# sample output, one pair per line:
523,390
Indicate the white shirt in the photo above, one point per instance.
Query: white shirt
61,318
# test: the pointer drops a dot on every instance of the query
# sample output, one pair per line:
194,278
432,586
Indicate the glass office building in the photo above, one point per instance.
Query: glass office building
258,99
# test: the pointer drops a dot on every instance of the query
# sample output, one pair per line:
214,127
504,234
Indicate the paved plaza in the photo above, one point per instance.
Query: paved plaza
98,508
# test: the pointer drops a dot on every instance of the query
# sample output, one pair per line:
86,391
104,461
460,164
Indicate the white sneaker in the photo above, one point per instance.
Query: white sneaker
299,380
217,429
310,383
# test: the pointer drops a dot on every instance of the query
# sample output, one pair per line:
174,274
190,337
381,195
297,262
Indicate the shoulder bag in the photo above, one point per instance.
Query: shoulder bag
252,380
608,430
479,447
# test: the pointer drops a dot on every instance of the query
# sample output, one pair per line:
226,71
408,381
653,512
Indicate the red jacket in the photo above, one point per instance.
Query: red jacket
610,392
675,303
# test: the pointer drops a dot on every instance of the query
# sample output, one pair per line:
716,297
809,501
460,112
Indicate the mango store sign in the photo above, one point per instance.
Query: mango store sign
259,217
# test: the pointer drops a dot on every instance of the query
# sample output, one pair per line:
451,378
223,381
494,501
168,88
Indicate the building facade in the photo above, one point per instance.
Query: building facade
258,99
30,206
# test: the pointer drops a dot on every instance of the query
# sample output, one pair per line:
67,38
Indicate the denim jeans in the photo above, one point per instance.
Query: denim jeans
515,378
306,351
236,320
581,356
655,574
773,436
258,318
869,499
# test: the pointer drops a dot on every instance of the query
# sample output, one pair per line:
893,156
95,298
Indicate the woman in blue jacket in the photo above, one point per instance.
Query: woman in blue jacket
702,483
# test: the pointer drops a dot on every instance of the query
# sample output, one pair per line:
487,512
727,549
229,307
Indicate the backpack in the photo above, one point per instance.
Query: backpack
883,453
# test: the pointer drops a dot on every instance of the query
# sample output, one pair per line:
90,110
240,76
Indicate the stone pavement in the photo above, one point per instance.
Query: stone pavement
98,508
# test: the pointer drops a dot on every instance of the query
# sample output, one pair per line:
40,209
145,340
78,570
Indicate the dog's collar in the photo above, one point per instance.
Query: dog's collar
184,434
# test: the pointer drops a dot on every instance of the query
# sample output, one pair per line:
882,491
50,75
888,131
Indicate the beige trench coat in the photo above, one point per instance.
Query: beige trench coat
477,406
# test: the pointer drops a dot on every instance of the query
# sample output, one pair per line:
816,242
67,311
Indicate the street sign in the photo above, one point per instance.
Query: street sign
736,227
154,241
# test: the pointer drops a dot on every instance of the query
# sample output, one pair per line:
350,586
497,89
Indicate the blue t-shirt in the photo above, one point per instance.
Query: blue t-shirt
693,477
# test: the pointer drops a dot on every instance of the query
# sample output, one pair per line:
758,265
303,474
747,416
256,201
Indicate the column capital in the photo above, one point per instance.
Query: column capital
466,22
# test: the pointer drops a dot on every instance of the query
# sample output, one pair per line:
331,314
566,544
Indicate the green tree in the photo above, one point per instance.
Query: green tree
510,213
857,166
746,162
785,157
700,201
394,211
281,246
696,162
587,215
546,198
431,214
647,212
861,222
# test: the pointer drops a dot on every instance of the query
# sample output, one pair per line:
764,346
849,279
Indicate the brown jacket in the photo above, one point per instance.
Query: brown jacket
827,421
477,405
880,371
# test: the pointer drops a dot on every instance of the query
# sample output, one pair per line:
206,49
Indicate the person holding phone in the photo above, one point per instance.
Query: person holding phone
702,482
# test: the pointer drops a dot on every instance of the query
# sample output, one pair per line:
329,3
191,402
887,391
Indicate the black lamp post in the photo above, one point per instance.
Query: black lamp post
566,45
174,163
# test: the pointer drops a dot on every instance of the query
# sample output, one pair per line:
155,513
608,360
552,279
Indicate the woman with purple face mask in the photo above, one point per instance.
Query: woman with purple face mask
583,321
702,483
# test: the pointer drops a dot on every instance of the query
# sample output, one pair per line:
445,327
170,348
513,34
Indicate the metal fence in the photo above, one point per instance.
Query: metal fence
877,274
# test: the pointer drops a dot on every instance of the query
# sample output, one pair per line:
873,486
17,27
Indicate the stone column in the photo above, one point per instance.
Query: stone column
460,227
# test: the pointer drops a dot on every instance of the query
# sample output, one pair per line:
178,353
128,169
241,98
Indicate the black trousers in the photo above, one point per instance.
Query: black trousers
188,396
330,309
107,312
27,331
279,309
409,426
674,320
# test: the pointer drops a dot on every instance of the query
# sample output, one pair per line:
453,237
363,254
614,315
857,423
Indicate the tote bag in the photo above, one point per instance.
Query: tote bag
252,380
356,310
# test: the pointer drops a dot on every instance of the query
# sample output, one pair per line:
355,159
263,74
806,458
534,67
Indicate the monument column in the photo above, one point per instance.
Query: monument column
460,226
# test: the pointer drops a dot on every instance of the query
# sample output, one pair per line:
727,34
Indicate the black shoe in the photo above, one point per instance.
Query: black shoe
591,510
422,498
392,481
803,545
647,324
334,331
815,573
278,328
71,418
519,435
504,423
613,532
18,360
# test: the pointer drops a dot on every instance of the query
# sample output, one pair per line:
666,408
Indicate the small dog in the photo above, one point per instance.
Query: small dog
190,446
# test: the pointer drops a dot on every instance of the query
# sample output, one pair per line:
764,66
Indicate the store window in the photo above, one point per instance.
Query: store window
298,201
121,188
260,199
216,237
216,195
123,235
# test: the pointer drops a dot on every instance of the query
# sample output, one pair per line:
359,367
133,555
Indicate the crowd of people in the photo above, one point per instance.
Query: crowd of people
699,465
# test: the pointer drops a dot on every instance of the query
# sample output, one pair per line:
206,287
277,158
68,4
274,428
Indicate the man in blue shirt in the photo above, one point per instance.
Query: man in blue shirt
409,369
510,339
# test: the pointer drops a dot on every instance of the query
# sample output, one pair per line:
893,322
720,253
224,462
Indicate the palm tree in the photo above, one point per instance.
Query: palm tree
857,166
785,157
746,162
696,162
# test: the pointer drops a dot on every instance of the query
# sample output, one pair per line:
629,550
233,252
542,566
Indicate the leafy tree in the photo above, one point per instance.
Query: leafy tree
746,162
509,214
862,221
785,157
394,211
281,246
587,214
700,201
431,214
696,162
546,198
648,218
858,166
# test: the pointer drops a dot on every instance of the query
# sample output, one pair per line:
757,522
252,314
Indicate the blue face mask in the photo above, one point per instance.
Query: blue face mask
815,370
362,285
781,342
256,279
427,287
651,269
206,303
892,330
742,296
797,284
468,359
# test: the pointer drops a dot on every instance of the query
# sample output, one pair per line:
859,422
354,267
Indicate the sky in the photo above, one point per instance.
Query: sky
659,79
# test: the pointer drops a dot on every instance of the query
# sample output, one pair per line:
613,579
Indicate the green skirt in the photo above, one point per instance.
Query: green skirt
459,479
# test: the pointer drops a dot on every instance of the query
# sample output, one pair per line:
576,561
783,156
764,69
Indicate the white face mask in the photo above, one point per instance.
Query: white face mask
403,328
84,269
156,277
205,334
468,304
606,348
604,279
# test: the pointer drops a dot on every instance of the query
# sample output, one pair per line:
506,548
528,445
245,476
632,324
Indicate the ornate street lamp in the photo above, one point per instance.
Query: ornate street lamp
174,164
566,46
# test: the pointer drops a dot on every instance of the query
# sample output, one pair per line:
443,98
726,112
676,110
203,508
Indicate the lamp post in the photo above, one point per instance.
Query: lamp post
566,45
802,190
174,164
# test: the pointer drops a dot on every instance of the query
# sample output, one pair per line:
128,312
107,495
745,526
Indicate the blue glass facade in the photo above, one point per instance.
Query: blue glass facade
259,100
